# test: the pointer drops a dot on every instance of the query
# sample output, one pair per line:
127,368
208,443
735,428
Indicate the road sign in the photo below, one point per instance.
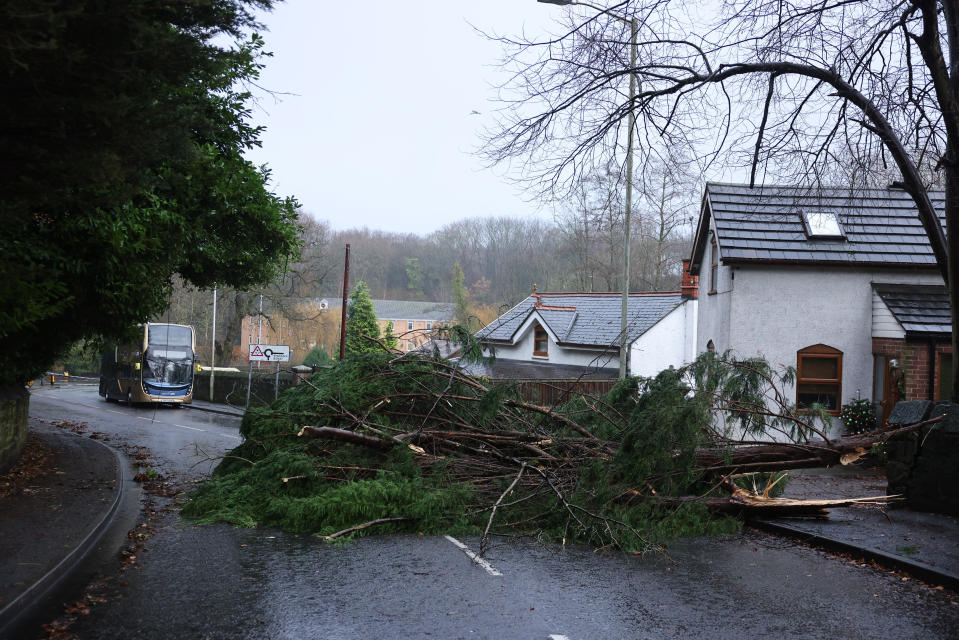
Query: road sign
269,353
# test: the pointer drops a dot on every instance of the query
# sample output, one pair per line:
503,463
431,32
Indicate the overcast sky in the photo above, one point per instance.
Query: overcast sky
377,128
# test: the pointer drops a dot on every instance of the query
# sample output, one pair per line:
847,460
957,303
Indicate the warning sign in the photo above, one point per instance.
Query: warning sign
269,353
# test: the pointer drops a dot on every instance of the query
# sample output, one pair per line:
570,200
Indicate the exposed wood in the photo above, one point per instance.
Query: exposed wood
745,504
360,526
332,433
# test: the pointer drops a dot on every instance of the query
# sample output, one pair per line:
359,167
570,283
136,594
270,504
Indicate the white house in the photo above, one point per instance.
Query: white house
567,334
840,284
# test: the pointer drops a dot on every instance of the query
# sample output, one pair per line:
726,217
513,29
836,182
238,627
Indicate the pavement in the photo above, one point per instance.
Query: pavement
925,545
51,522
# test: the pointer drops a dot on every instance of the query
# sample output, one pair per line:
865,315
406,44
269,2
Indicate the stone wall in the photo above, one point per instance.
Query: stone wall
924,466
14,410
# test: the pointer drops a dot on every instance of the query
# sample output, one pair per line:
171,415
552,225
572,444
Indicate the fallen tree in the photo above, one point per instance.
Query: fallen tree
385,442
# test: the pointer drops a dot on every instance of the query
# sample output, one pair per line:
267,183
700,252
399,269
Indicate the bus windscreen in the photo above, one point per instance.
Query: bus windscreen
169,357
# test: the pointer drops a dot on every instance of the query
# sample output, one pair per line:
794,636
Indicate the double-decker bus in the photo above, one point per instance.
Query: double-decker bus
158,367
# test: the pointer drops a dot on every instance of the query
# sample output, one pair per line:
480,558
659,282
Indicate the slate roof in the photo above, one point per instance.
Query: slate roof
406,309
920,309
765,224
588,319
412,310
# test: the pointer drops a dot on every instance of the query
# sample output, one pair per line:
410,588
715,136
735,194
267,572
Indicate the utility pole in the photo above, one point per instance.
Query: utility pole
213,346
634,31
346,289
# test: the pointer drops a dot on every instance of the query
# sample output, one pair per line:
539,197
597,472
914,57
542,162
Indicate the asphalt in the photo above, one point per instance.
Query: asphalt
50,523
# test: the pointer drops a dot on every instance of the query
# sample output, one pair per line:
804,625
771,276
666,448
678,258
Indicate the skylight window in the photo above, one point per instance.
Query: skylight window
822,224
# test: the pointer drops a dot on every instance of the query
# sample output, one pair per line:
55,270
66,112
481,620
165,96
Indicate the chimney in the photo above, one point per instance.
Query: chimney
690,288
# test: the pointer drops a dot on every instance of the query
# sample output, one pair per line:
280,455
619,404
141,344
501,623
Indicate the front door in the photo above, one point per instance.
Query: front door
884,385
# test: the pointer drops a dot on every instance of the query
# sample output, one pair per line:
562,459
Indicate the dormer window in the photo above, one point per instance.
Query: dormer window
822,224
540,342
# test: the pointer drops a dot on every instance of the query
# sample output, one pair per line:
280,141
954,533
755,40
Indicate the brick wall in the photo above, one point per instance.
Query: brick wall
915,361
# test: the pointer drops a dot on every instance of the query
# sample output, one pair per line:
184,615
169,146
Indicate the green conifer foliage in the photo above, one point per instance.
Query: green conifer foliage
460,296
389,338
361,322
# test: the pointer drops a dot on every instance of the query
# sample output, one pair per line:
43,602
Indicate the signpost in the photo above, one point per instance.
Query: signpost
267,353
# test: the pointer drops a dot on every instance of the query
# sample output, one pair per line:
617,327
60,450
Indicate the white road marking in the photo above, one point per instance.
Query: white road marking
554,636
183,426
475,558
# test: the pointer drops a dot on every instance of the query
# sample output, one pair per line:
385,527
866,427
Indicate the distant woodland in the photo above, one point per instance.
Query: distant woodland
501,259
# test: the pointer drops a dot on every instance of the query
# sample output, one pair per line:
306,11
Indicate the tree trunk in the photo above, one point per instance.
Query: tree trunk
782,456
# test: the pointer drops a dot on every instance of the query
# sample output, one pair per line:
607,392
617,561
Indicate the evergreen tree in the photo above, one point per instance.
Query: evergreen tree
389,339
360,322
414,277
317,357
461,296
123,129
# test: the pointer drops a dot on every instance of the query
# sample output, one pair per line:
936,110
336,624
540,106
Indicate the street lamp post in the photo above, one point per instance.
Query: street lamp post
634,30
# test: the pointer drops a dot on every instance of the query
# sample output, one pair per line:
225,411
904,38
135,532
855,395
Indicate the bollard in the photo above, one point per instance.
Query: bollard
52,378
66,376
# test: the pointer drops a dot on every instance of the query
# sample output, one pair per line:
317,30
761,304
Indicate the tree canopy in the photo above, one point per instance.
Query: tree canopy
852,94
123,126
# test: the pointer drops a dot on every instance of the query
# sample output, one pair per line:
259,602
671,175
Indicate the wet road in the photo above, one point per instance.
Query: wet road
220,582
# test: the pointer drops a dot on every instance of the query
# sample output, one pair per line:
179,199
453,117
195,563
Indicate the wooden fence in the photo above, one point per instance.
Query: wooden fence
556,392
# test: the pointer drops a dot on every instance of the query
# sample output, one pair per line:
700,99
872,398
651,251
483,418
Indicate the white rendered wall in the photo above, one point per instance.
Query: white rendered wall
713,322
668,343
777,310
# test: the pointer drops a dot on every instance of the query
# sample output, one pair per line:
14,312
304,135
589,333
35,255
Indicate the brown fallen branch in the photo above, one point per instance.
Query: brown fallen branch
782,456
332,433
360,526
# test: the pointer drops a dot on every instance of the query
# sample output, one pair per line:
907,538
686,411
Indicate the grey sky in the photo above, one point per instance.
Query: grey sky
379,128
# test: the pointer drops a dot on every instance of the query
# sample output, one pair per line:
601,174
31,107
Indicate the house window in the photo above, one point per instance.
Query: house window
409,325
819,377
429,325
710,347
540,342
713,264
822,224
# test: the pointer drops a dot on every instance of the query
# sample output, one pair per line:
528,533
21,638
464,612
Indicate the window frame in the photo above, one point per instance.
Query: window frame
429,325
540,336
820,351
409,325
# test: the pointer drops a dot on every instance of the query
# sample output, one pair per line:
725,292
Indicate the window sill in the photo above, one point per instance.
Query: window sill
541,356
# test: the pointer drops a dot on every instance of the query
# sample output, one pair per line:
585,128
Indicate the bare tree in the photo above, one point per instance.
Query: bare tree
784,88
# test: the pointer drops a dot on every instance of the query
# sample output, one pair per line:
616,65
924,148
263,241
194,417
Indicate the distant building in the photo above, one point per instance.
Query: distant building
572,335
316,323
413,322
